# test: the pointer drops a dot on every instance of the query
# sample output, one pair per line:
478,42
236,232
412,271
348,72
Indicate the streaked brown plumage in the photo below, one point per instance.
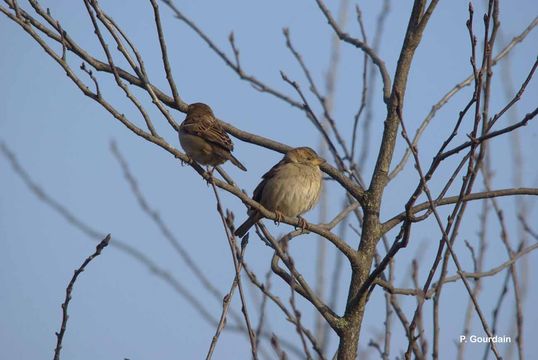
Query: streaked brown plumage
291,187
204,139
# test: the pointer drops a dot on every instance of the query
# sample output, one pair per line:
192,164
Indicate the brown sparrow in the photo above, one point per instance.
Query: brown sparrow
291,187
204,139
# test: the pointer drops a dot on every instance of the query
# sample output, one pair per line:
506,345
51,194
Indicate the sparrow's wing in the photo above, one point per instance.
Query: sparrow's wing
257,195
210,130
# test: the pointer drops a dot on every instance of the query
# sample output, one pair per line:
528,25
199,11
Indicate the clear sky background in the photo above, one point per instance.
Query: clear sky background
62,138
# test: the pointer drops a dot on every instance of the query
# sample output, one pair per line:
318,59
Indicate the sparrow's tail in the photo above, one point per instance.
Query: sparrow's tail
243,229
237,163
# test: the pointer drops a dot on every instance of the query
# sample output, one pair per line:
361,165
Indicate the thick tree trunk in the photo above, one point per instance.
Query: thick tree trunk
349,338
349,335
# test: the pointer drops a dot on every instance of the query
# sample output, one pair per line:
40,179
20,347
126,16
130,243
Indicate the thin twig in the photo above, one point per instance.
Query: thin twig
257,84
288,314
68,292
298,327
236,257
124,247
361,45
156,218
447,241
372,77
446,98
164,52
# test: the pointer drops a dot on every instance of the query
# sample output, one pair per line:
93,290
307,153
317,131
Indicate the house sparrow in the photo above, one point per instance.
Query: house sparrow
291,187
204,139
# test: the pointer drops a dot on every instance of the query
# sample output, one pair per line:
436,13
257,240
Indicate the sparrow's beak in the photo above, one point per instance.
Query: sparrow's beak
320,161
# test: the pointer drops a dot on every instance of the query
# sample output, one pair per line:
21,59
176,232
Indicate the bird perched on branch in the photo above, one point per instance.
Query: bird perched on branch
291,187
204,139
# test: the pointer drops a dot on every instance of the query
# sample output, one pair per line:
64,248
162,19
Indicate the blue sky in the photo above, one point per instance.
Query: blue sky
121,310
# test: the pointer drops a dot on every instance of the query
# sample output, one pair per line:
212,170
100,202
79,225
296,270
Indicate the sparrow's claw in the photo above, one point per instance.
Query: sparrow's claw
188,161
279,217
209,174
303,225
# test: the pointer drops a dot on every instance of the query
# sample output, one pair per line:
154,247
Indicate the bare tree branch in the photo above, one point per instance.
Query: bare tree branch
69,291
